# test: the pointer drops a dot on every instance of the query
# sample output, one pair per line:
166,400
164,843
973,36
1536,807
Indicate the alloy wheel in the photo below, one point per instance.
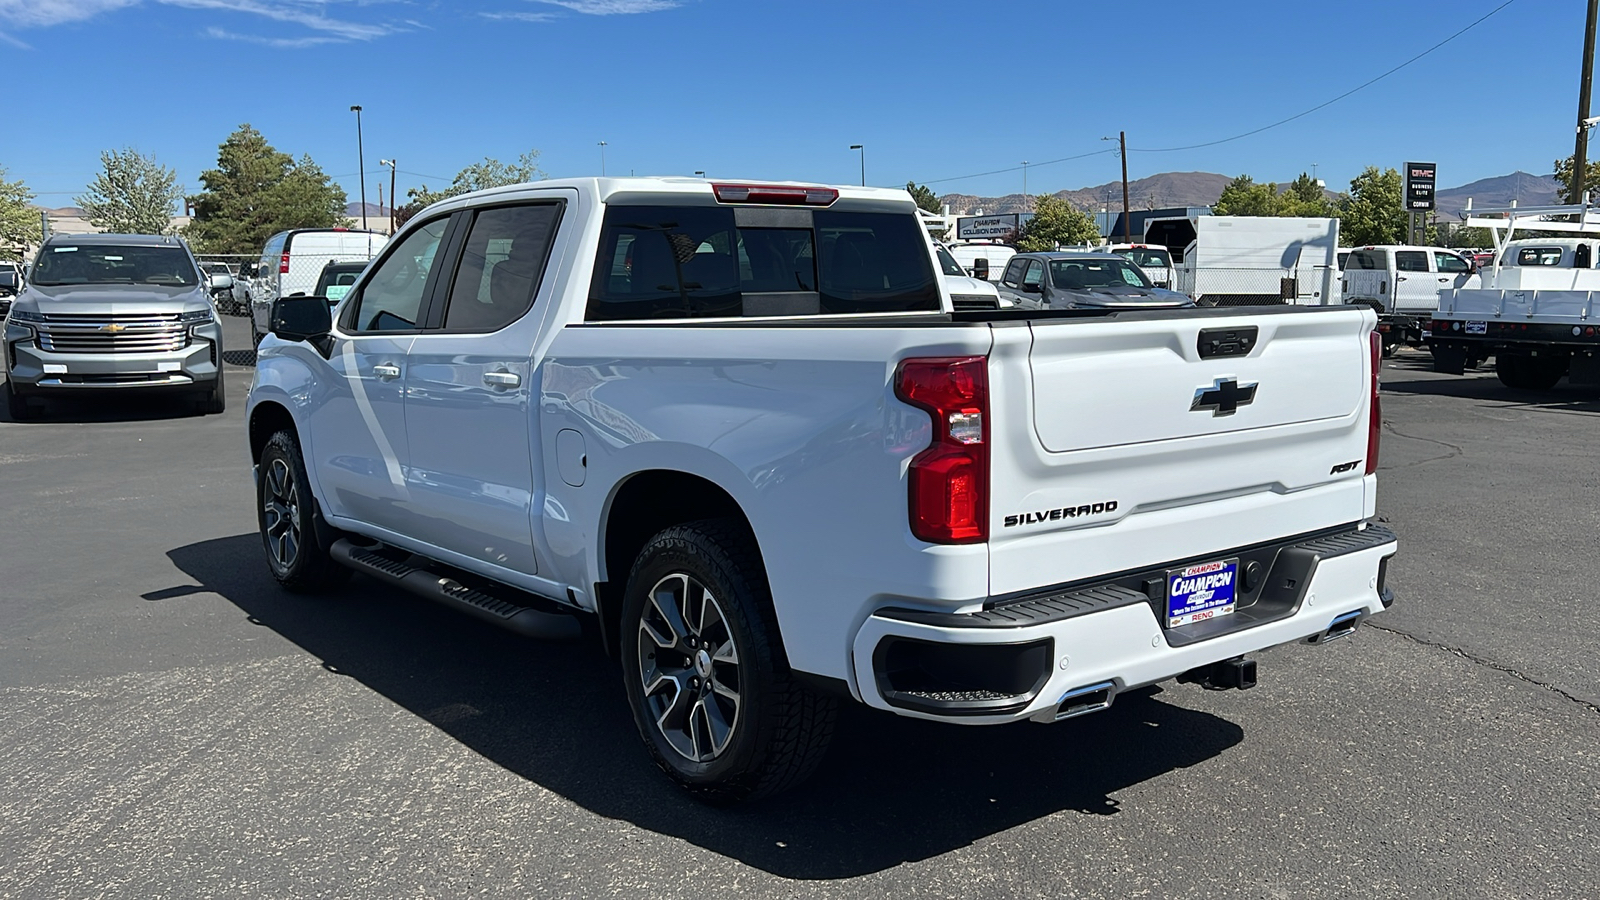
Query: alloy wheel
281,514
689,668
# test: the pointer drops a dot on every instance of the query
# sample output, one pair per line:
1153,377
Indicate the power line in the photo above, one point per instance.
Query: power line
1032,165
1363,86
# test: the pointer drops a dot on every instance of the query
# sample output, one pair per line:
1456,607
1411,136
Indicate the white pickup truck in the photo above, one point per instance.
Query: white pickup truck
1536,308
739,431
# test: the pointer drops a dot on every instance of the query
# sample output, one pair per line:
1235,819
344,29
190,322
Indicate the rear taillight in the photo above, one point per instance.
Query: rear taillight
949,495
283,265
1375,422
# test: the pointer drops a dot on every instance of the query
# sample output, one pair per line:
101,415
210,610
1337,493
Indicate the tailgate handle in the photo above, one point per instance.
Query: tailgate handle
1216,342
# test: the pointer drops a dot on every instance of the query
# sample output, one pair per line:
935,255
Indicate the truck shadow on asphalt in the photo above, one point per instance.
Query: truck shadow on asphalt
892,790
1563,397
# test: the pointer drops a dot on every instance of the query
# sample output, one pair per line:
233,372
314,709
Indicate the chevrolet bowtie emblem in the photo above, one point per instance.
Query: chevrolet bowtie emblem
113,328
1223,397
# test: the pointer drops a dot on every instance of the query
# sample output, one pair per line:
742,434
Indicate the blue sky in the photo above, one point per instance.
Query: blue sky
781,88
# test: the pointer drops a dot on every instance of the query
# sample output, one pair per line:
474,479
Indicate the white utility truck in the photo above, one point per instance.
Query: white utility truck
742,432
1538,307
1403,284
1251,260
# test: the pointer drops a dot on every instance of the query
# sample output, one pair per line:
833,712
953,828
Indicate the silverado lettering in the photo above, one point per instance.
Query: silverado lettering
1065,512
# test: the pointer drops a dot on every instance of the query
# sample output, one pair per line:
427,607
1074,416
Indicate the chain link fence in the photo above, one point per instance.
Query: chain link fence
327,274
1305,286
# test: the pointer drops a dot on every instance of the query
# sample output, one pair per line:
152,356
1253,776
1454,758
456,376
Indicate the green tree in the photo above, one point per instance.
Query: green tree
1591,177
1373,211
257,191
19,220
133,194
1244,197
1055,223
1304,197
926,199
490,173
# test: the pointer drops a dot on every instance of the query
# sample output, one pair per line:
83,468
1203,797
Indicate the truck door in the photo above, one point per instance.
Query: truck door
1414,284
361,454
469,412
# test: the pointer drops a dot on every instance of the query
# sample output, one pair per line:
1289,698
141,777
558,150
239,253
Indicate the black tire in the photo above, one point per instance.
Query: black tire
1529,373
215,401
293,535
778,731
18,406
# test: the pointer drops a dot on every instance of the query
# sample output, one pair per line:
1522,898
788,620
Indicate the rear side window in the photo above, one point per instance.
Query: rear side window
1539,256
1449,262
669,262
501,267
1410,261
1367,259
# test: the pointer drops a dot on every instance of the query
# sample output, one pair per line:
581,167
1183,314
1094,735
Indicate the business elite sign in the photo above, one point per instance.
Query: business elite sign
1419,186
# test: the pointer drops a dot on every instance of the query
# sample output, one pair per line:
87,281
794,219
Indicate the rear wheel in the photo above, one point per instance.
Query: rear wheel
703,667
292,531
1529,373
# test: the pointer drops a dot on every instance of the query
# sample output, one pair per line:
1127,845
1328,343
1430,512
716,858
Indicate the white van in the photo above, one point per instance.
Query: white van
1403,282
292,260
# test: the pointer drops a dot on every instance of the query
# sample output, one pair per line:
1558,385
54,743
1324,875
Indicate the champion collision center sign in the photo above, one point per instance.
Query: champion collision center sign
976,228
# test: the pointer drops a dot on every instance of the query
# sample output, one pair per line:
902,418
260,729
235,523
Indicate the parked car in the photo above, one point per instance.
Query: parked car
291,261
1403,284
111,314
1066,280
741,430
1154,261
224,298
336,279
10,284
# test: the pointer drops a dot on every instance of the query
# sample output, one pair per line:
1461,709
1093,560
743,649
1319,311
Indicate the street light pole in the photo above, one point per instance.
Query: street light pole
863,149
361,166
392,199
1024,181
602,159
1127,218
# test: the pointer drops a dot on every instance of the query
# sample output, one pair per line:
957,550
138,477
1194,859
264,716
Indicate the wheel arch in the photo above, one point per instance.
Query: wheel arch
641,506
266,419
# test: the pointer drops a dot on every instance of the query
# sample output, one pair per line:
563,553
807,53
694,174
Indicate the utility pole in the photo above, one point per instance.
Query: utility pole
361,166
1127,218
1024,181
393,199
602,159
1581,153
863,149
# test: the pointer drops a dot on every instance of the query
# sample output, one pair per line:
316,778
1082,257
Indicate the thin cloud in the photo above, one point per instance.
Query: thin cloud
292,13
613,7
288,43
519,16
42,13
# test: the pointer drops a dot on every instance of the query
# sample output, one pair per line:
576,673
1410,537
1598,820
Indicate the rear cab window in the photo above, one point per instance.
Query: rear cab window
1368,259
696,262
1539,256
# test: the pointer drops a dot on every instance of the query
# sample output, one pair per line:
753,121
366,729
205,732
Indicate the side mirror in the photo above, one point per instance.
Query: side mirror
302,318
1032,288
980,269
220,282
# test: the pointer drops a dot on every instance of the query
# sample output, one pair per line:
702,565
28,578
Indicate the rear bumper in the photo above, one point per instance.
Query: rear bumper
1027,657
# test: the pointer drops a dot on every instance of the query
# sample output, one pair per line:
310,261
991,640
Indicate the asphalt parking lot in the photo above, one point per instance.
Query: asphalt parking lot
173,725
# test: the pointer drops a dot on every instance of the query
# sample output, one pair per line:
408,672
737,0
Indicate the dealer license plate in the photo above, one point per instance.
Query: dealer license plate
1201,592
1477,328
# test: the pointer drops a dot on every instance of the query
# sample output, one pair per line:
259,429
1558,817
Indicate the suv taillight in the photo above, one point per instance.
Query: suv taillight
283,264
1375,423
949,495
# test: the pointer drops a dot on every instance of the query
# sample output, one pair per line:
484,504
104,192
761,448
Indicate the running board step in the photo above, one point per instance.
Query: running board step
524,620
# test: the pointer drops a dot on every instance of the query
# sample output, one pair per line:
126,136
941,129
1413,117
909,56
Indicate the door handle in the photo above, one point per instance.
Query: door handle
386,371
502,379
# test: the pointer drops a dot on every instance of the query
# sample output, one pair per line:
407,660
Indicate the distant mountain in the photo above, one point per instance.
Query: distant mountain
1162,191
1525,189
1170,189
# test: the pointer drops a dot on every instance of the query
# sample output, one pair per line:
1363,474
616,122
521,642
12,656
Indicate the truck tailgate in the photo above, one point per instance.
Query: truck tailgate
1122,446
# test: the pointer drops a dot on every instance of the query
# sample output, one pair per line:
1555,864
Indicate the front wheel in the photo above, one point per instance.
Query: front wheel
704,671
215,401
18,406
292,532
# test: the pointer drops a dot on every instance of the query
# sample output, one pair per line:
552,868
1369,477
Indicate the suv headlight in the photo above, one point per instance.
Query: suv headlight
196,317
23,315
